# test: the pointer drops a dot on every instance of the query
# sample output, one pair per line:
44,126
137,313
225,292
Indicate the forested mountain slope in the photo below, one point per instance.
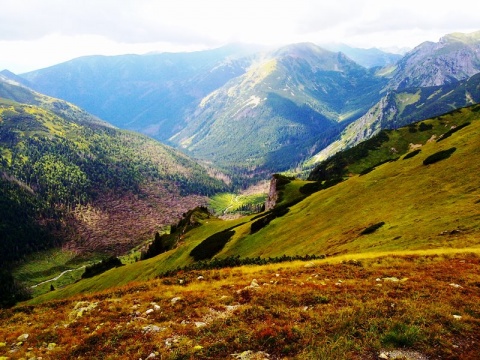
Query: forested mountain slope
90,186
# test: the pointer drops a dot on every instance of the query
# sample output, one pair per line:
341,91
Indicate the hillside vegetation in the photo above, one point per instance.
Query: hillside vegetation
399,275
418,306
398,206
72,182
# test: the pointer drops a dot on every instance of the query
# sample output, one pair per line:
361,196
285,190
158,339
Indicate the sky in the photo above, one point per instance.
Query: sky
36,34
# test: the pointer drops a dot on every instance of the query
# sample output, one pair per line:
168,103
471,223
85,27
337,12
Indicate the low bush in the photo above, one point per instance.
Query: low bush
212,245
452,131
402,335
425,127
160,244
412,154
371,168
101,267
372,228
441,155
263,221
235,261
314,187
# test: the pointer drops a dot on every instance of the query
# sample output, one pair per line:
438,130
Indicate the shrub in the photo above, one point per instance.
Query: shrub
311,188
441,155
101,267
371,168
425,127
265,220
11,291
233,261
160,244
402,335
372,228
412,154
209,247
452,131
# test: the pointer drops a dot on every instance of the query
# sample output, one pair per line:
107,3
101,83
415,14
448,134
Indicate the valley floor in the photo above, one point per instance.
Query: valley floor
415,306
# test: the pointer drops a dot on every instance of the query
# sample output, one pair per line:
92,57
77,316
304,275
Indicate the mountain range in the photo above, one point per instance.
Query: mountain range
254,111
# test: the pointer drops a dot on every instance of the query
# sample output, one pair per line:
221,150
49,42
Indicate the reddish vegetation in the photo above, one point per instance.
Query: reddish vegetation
350,310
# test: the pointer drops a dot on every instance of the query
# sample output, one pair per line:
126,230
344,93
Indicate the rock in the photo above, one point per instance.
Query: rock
152,328
156,307
181,281
23,337
455,285
149,311
254,283
378,279
399,354
151,356
250,355
200,277
175,300
51,346
457,317
199,324
197,347
392,279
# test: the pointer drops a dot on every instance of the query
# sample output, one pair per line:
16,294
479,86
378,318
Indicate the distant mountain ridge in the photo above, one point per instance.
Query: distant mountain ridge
283,108
455,57
366,57
254,111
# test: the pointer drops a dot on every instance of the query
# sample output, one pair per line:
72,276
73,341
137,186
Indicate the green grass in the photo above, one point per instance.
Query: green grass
47,265
230,203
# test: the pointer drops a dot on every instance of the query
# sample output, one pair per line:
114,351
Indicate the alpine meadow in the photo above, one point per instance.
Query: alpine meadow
300,201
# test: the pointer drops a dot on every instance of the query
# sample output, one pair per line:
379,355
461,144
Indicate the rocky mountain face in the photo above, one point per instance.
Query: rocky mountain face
455,57
432,79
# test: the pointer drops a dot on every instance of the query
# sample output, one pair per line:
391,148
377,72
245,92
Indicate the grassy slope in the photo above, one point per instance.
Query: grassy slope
416,202
423,207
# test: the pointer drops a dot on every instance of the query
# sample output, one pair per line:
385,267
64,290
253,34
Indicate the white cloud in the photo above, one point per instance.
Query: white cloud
37,33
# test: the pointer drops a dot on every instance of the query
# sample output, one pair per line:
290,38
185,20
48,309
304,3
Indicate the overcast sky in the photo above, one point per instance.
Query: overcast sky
38,33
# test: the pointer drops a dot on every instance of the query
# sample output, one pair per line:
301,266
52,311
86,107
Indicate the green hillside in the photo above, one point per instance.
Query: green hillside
71,181
403,206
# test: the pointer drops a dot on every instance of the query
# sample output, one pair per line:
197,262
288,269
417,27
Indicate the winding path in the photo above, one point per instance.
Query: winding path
57,277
